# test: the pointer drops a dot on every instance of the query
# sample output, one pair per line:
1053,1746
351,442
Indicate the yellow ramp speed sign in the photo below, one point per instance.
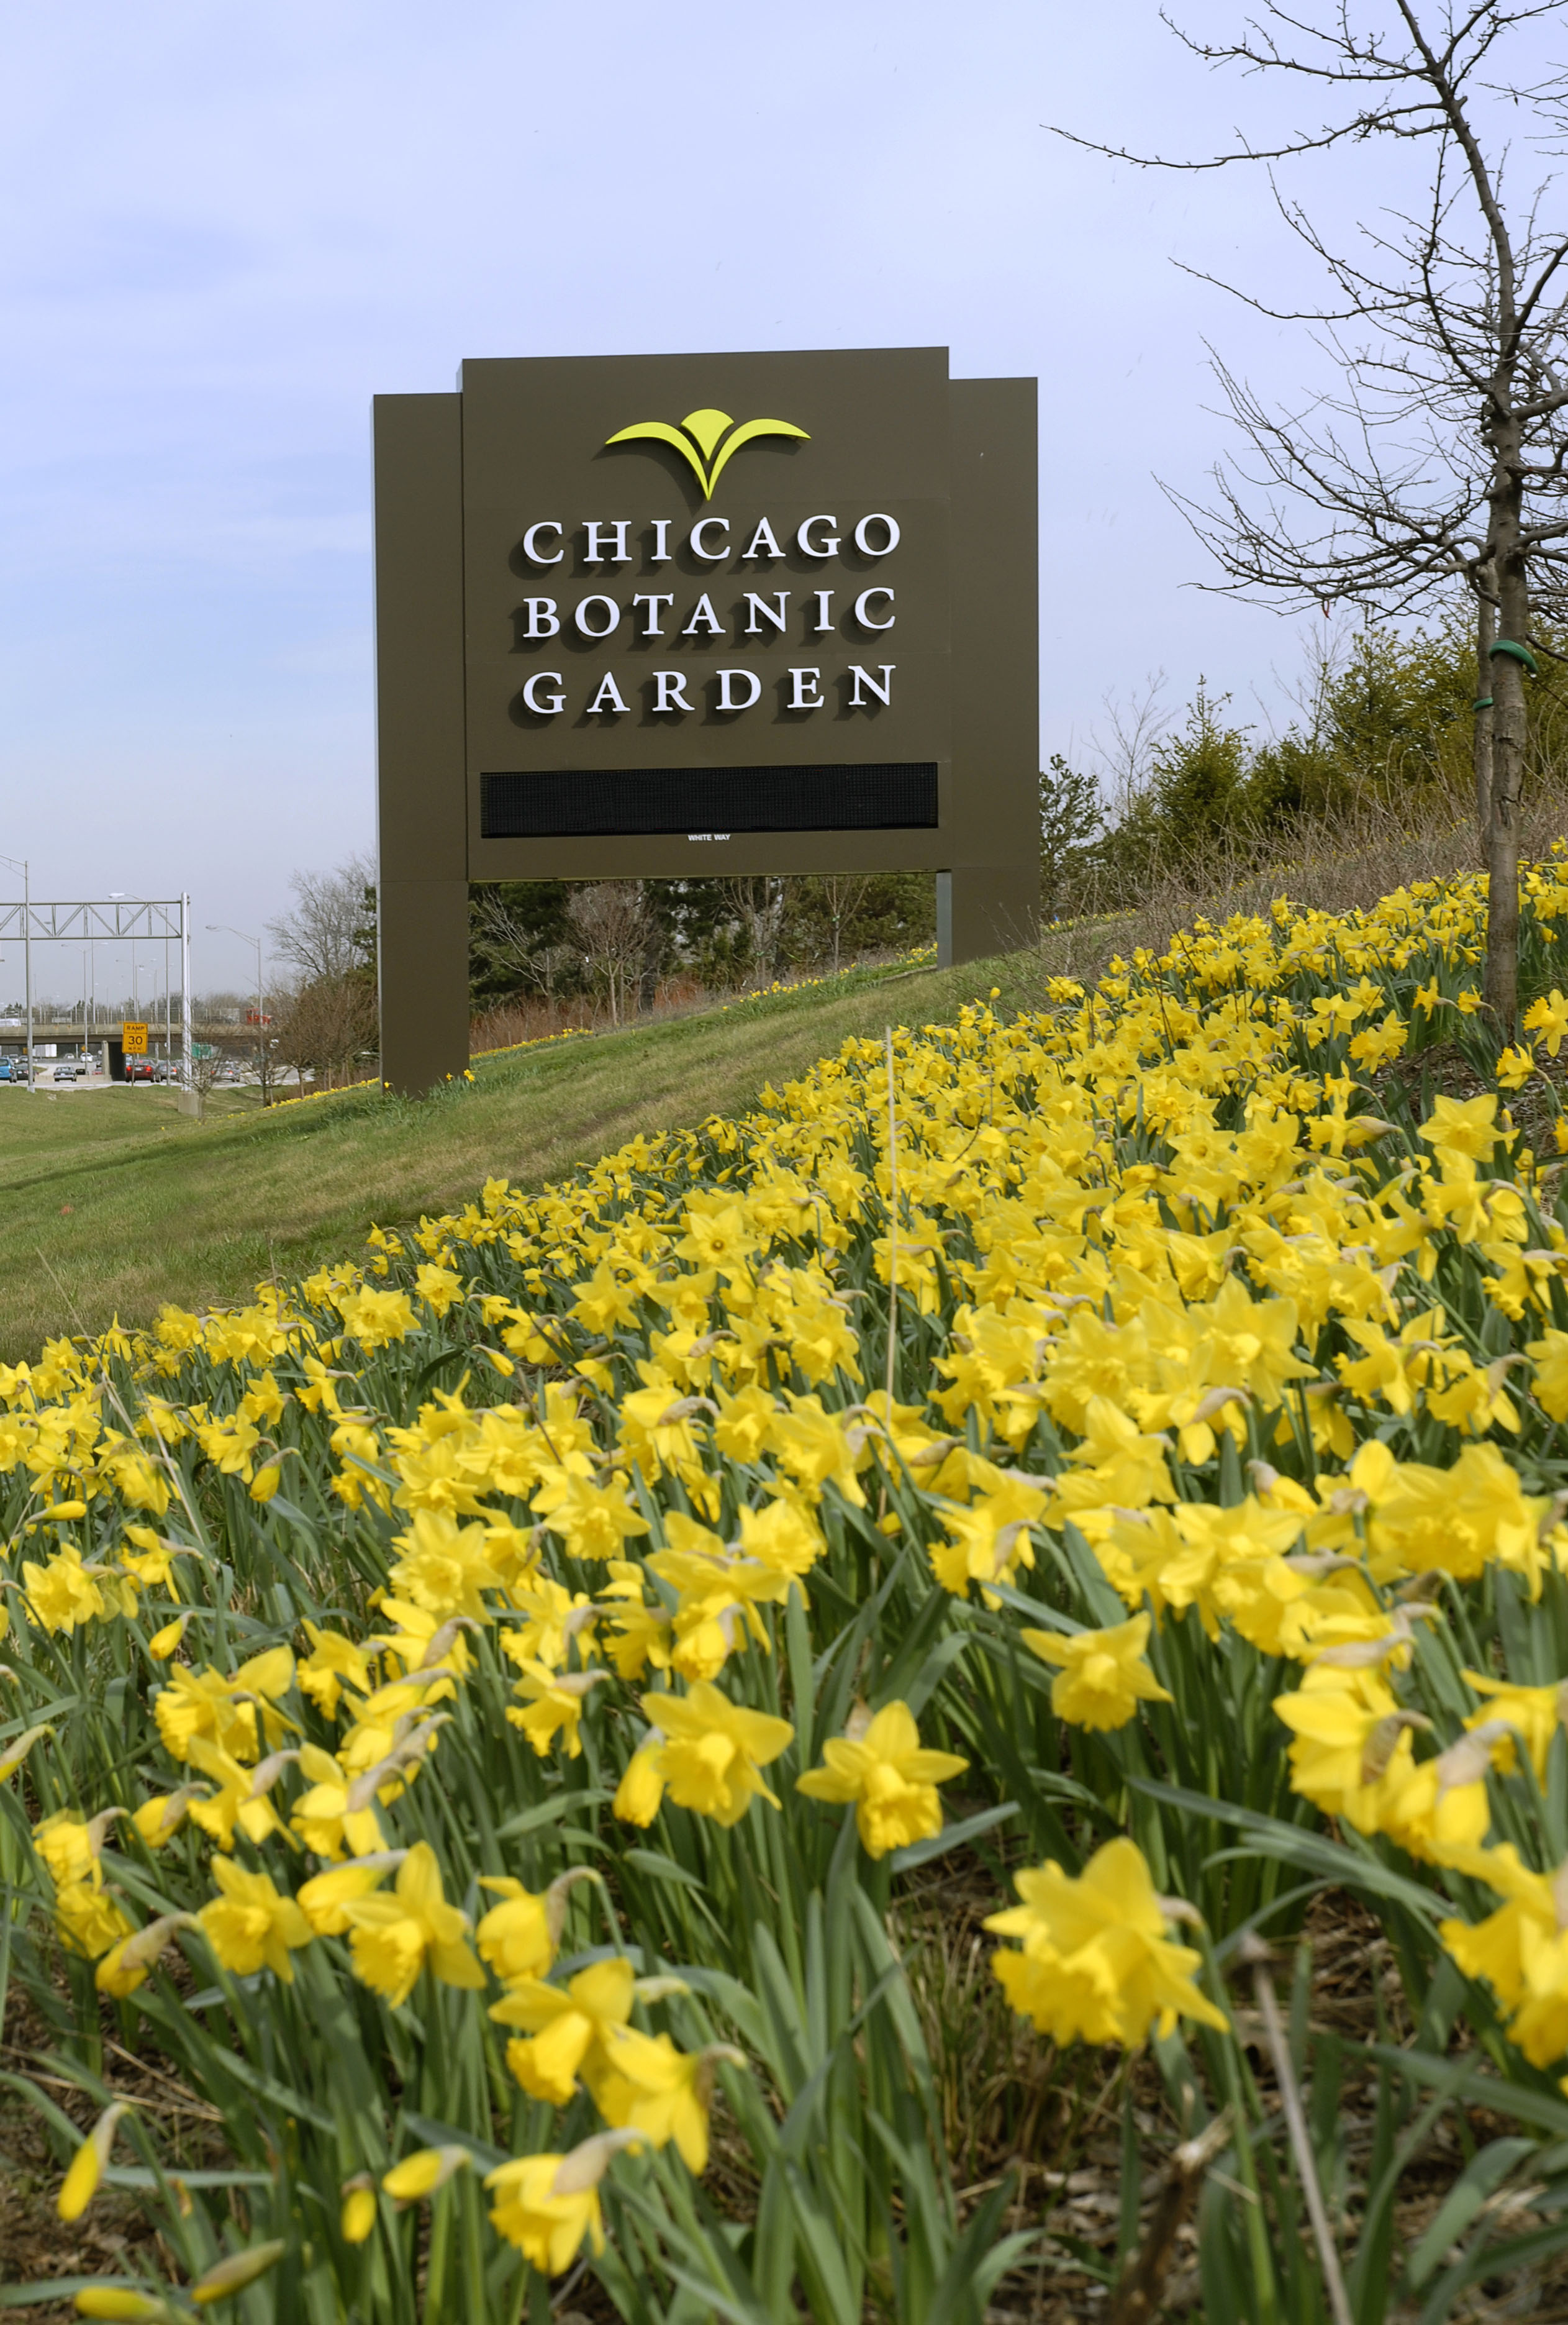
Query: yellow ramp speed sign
134,1040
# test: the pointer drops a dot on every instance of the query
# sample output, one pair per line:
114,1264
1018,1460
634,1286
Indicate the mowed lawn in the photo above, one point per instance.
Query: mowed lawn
112,1203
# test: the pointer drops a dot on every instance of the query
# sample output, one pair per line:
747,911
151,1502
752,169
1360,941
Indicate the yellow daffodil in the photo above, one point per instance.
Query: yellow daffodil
250,1926
1102,1677
393,1937
546,2205
710,1754
570,2029
1094,1964
882,1766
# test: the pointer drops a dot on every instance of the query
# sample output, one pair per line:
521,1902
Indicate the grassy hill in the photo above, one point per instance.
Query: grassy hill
113,1203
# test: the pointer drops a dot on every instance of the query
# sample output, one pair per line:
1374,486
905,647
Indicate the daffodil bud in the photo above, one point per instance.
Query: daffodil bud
424,2172
441,1641
587,2163
359,2207
14,1755
165,1643
160,1818
80,2184
241,2268
124,2301
124,1967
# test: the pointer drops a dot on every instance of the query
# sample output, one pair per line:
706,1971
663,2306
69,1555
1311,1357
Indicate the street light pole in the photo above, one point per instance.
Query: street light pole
26,951
188,1074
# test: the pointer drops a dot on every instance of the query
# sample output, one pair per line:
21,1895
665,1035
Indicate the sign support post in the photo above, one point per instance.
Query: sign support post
422,898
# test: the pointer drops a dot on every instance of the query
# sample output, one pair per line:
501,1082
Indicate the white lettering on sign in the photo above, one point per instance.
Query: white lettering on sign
761,615
735,688
585,628
699,547
617,529
708,835
606,540
650,628
862,531
761,606
705,616
729,678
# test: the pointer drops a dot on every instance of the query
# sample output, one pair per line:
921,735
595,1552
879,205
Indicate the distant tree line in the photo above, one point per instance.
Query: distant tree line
617,941
1386,719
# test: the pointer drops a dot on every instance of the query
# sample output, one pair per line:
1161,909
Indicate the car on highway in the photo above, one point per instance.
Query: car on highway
66,1070
138,1070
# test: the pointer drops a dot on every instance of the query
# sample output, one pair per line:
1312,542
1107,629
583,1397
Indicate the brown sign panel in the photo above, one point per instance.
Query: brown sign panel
666,616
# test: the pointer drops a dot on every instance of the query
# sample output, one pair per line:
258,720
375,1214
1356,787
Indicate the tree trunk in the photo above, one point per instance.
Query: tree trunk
653,950
1508,721
1486,630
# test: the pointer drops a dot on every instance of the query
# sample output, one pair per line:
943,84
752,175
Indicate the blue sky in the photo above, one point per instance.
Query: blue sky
223,228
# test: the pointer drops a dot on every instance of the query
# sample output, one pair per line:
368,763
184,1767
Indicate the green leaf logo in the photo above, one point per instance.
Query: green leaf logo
698,439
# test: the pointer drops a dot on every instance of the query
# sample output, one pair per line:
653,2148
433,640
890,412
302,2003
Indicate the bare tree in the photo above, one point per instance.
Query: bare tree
324,1025
758,904
506,943
326,934
610,920
264,1032
842,894
1135,727
1443,459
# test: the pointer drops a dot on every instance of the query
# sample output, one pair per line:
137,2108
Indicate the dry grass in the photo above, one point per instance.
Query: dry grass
1339,864
1014,2107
